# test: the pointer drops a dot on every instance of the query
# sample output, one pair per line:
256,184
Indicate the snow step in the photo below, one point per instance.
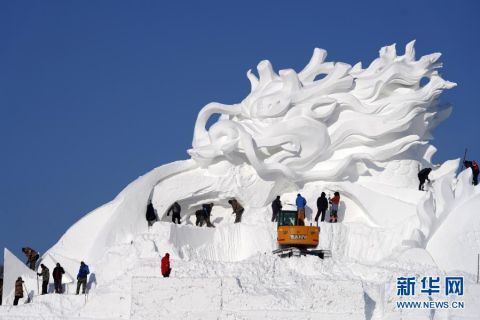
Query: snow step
294,251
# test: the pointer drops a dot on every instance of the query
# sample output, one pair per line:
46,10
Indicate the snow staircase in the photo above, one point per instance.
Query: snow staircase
226,298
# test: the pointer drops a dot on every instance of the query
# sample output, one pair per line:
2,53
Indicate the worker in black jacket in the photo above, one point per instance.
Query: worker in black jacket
151,215
276,208
175,209
322,206
422,177
57,274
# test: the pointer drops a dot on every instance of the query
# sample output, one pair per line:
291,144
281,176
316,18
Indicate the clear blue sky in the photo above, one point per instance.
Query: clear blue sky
96,93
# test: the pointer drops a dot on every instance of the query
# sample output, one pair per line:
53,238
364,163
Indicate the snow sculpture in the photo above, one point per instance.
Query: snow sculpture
454,240
293,133
304,129
437,203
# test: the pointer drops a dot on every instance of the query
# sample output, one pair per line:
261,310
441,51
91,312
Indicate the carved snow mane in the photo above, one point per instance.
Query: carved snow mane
339,126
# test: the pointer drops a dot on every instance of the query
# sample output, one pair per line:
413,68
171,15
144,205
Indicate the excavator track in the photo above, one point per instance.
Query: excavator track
296,252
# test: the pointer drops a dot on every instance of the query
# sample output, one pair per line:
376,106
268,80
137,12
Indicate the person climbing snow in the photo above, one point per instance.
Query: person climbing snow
82,276
45,274
301,203
165,266
32,257
18,290
57,274
151,214
237,209
175,209
422,177
207,212
474,166
335,201
322,205
276,208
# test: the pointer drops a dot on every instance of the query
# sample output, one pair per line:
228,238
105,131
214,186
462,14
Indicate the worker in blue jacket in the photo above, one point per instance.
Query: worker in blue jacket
301,203
82,277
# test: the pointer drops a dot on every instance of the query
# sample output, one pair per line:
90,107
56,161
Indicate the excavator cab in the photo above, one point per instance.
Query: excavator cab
288,218
294,239
291,234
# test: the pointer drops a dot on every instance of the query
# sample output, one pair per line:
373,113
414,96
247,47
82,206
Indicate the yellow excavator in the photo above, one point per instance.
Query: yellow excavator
294,239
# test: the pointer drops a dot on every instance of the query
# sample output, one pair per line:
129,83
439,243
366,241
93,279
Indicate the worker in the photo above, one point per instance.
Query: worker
57,274
474,166
301,203
165,266
151,215
1,290
335,201
207,212
175,209
18,290
32,257
237,209
82,277
45,274
322,206
199,215
276,208
422,177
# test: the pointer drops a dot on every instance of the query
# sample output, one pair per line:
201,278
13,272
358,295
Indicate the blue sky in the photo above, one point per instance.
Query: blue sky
95,93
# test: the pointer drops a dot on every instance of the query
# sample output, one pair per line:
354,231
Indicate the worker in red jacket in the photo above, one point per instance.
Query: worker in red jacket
165,266
334,202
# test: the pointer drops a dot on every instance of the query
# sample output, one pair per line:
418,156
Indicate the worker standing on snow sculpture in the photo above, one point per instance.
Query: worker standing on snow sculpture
175,209
82,277
422,177
335,201
45,273
165,266
57,274
322,205
237,209
151,215
207,212
474,166
199,214
276,208
18,290
32,257
301,203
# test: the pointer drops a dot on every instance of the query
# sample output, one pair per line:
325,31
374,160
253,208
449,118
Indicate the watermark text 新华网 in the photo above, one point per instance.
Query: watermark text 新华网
430,287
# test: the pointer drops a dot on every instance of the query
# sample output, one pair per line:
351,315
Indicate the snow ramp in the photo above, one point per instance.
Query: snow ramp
226,298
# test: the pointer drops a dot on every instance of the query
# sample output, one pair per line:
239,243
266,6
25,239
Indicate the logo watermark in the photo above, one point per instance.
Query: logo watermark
430,287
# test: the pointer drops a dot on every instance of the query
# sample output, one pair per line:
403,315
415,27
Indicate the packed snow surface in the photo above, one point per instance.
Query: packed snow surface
362,132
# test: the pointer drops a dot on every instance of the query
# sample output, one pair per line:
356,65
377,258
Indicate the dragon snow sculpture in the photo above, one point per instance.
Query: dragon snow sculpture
304,128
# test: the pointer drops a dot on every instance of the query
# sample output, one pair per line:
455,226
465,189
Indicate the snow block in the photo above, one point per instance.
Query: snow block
234,242
171,298
316,299
225,298
46,307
